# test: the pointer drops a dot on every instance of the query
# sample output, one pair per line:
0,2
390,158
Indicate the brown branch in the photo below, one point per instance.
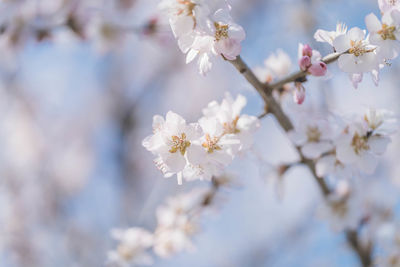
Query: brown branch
273,107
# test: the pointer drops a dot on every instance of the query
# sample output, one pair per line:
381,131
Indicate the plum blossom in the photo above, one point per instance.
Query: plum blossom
388,5
385,34
227,35
183,16
214,151
228,115
277,65
329,36
380,121
330,165
204,29
313,135
177,222
201,150
363,141
223,37
357,54
202,48
171,141
131,250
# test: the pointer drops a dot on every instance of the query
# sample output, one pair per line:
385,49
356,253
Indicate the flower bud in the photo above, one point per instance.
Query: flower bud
318,69
307,50
299,94
304,63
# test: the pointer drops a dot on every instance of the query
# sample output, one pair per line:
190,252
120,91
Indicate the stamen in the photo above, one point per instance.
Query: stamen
179,144
359,143
387,32
313,134
231,128
358,48
221,31
211,144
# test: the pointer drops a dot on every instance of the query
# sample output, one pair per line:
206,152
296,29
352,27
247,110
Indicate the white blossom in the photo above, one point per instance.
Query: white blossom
202,48
131,250
277,65
227,35
357,54
204,29
183,16
385,34
329,36
314,135
212,152
388,5
177,222
171,142
363,141
201,150
228,115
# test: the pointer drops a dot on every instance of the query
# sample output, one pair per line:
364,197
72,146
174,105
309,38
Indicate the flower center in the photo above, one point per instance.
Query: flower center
179,143
231,128
359,143
126,252
221,31
211,144
387,32
358,48
392,2
313,134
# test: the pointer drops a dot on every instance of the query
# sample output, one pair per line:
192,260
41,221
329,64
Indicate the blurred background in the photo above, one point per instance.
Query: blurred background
78,97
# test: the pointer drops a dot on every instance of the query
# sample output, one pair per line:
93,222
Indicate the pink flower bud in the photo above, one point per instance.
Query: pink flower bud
304,62
299,94
318,69
307,50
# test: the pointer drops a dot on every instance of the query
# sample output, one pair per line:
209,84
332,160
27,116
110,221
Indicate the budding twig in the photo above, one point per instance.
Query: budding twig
300,75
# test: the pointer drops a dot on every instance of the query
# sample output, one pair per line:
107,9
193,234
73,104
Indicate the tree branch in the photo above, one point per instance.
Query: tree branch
273,107
301,75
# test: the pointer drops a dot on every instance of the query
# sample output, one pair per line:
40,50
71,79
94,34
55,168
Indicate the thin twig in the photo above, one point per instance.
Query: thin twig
273,107
300,75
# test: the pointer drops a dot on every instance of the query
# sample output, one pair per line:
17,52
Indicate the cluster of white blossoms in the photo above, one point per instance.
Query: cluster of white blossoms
177,221
361,53
201,150
276,66
204,29
344,148
132,249
337,148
